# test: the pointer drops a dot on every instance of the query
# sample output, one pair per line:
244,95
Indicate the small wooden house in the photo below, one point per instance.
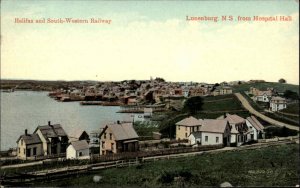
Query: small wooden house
117,138
78,150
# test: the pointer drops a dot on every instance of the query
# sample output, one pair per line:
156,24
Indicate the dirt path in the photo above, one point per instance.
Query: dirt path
246,105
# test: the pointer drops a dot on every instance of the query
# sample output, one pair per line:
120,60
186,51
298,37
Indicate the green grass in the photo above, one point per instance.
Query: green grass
231,103
264,85
292,109
283,118
272,166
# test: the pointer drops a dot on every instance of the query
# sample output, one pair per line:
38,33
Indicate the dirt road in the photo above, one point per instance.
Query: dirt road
246,105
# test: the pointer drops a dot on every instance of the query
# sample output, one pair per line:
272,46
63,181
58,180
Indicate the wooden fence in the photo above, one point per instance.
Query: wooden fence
141,154
53,156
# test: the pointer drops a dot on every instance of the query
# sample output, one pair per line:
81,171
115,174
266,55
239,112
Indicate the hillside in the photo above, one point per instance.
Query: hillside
215,106
264,85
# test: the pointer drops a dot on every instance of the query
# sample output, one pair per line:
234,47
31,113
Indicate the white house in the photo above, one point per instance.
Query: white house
237,128
263,96
215,131
255,129
277,103
78,150
195,138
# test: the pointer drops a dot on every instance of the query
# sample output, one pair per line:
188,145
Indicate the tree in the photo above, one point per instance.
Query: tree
158,79
291,95
193,105
282,81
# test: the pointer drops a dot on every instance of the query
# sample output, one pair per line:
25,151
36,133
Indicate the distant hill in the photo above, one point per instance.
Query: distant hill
264,85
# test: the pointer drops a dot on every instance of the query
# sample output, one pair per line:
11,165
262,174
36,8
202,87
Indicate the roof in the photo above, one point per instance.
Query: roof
75,135
196,134
30,139
190,121
213,125
278,99
80,144
234,119
52,131
268,93
122,131
255,123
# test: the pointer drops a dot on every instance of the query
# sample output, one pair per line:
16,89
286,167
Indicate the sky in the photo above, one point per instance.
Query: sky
150,38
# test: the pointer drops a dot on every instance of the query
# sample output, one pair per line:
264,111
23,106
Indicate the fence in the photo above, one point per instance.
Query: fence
53,156
276,139
141,154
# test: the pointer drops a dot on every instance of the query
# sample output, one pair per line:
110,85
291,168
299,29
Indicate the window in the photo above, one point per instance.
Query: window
112,146
186,135
217,139
80,153
103,145
104,136
21,141
110,136
178,127
19,150
24,151
186,128
252,136
206,138
34,151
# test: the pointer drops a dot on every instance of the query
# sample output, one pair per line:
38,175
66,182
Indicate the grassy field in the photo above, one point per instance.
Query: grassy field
272,166
221,103
215,106
292,108
264,85
283,118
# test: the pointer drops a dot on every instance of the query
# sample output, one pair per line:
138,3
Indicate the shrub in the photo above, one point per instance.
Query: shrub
280,132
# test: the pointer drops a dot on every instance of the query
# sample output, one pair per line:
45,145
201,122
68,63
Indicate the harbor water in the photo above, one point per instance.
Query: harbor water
22,110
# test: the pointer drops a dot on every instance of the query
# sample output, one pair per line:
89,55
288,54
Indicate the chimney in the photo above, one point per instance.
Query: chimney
49,123
26,132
